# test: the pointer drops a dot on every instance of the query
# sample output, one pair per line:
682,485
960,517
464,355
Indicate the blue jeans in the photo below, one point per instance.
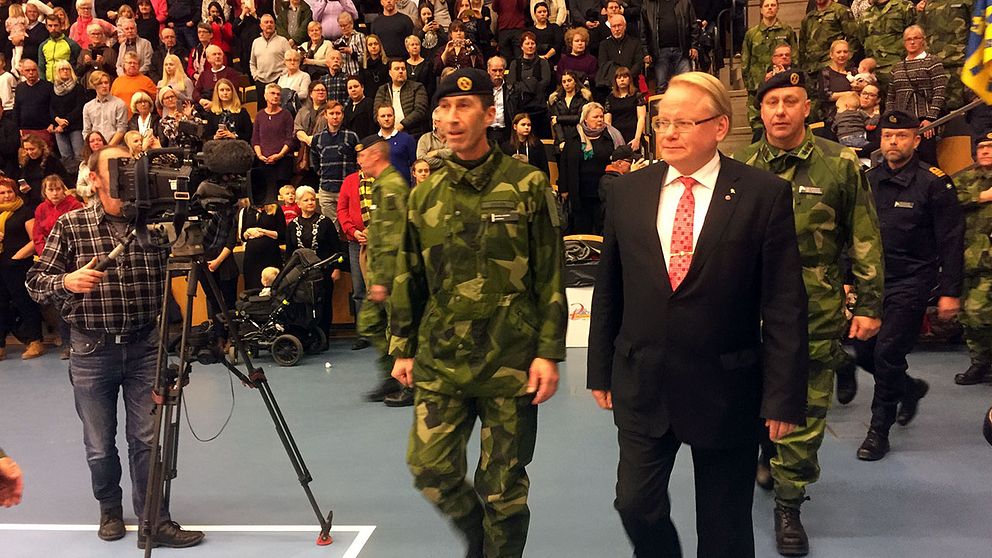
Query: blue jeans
357,280
670,62
70,145
98,370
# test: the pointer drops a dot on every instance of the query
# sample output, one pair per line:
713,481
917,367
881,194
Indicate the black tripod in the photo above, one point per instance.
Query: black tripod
168,391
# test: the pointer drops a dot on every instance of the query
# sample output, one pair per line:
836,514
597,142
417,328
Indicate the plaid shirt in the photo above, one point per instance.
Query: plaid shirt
352,64
337,86
129,296
334,154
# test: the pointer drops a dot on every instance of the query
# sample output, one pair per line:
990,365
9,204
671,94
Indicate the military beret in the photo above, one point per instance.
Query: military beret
983,138
622,153
789,78
368,141
464,81
899,120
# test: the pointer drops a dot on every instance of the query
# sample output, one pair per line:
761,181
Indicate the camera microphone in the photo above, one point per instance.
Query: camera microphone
103,264
228,156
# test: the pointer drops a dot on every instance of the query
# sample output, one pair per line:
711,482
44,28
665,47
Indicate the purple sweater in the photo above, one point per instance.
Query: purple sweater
272,131
586,64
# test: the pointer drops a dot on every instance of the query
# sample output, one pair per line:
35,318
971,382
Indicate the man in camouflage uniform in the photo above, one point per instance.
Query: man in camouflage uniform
756,54
974,194
384,231
477,317
882,26
820,28
834,214
946,23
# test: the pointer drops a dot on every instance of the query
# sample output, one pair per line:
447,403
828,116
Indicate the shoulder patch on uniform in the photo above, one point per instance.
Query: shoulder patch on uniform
937,172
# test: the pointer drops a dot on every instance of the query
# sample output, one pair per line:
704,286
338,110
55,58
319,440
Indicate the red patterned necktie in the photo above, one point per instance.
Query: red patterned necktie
680,252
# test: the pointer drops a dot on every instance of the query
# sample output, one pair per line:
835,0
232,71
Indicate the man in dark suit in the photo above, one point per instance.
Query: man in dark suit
698,325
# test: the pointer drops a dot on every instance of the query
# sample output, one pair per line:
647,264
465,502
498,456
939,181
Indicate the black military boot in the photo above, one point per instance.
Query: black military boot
916,389
975,374
763,476
386,388
402,398
875,446
111,524
790,536
847,382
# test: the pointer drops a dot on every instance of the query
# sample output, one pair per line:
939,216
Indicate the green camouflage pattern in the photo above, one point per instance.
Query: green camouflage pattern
478,291
882,26
976,296
756,52
795,464
494,511
946,24
819,30
834,212
385,232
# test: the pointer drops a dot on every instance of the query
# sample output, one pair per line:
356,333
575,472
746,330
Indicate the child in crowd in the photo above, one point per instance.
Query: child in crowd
287,198
865,75
421,169
850,121
269,275
16,22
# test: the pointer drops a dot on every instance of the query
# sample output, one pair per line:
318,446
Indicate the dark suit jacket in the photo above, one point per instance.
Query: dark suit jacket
730,344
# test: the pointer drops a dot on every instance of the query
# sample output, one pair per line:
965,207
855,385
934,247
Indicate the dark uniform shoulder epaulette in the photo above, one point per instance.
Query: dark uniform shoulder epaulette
937,172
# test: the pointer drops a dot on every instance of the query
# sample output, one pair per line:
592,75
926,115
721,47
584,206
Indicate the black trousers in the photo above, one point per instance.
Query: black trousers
14,297
724,480
884,355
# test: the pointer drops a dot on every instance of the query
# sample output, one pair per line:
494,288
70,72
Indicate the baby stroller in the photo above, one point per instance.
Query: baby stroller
284,321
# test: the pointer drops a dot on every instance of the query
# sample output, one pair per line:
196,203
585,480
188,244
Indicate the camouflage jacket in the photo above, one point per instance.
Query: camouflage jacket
946,24
756,52
821,28
834,212
479,293
882,26
977,217
385,230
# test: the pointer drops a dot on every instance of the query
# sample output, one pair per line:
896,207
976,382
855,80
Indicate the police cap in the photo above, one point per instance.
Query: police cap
899,120
464,81
789,78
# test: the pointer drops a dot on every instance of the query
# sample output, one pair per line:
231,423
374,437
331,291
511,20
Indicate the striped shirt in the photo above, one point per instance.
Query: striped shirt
917,87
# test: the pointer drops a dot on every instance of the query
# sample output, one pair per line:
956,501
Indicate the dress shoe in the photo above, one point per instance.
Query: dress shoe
64,354
402,398
975,374
916,390
360,343
875,446
171,535
847,383
387,387
790,536
34,350
111,524
763,476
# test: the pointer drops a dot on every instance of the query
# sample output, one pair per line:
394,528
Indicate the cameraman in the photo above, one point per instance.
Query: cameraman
113,316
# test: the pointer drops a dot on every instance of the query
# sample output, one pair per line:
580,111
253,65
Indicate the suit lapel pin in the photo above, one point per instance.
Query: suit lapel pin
728,196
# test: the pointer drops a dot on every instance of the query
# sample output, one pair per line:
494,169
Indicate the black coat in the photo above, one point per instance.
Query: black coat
70,107
729,346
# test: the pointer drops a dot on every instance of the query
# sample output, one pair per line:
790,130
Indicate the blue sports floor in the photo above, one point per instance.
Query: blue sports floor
931,497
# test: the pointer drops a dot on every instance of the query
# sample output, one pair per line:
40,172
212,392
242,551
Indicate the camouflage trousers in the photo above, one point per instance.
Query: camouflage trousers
492,514
976,317
373,325
795,464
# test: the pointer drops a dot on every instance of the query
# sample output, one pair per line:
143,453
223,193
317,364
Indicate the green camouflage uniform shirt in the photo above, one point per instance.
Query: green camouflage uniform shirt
882,27
834,212
756,52
821,28
978,220
479,293
385,228
946,24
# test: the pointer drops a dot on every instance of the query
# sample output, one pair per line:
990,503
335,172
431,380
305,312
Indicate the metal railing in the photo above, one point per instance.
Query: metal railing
876,156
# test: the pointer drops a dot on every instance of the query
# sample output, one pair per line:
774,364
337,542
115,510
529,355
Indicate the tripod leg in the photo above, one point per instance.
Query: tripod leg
257,380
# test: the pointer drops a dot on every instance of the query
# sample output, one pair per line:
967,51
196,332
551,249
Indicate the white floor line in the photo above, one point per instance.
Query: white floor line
364,532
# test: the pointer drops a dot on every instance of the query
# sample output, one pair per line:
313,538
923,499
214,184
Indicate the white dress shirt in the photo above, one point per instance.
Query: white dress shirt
672,191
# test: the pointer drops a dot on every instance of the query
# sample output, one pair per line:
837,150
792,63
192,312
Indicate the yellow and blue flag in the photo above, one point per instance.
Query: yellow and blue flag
977,71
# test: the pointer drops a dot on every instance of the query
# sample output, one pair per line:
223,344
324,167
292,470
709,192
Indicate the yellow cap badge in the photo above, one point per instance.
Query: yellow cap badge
794,78
359,148
464,83
893,119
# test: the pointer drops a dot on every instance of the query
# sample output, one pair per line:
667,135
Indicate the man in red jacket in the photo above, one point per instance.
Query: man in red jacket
353,212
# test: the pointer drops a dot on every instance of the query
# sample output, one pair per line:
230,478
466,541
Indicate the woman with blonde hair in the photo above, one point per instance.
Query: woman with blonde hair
314,51
143,119
375,72
174,76
227,119
67,110
584,162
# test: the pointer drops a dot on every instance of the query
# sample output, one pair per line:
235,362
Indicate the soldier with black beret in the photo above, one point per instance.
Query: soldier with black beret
477,319
923,243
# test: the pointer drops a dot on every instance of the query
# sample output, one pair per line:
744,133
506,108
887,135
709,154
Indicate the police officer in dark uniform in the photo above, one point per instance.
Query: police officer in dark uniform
923,243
